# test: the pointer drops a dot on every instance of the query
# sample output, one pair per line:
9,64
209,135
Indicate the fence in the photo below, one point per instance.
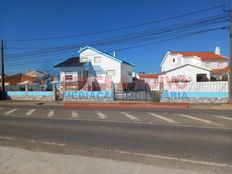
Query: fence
195,92
30,87
215,86
28,92
84,86
215,92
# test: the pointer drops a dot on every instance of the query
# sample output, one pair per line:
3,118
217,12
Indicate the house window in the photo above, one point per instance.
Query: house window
84,59
129,73
110,73
97,59
173,60
68,77
202,78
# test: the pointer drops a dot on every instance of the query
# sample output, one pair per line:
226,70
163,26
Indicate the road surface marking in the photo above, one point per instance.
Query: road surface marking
51,143
51,113
163,157
162,118
11,111
101,115
223,117
7,138
32,141
61,144
130,116
140,123
200,119
30,112
75,114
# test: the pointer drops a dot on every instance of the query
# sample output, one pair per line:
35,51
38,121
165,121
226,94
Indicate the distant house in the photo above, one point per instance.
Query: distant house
192,66
91,69
36,74
20,78
221,73
150,81
46,79
19,81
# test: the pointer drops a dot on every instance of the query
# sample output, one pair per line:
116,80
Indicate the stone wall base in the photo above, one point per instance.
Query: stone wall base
195,100
31,98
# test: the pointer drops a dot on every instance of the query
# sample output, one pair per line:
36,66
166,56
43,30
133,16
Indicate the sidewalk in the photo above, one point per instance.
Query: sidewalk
101,105
125,105
120,105
211,106
18,161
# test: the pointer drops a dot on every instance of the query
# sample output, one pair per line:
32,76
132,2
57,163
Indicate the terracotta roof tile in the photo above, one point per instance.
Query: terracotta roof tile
19,78
142,76
202,55
222,70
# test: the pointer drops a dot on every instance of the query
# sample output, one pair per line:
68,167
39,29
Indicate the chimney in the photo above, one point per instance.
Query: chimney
114,54
217,51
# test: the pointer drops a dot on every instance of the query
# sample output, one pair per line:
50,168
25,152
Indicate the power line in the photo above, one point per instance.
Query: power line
172,38
121,28
148,34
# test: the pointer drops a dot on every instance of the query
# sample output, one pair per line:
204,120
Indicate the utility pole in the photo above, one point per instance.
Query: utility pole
230,69
3,73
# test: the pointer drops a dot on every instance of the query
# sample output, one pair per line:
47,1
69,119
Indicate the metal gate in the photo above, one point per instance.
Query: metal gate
137,95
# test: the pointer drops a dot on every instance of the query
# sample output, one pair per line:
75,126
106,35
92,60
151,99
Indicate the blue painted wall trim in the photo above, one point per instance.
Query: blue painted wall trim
88,94
31,93
180,95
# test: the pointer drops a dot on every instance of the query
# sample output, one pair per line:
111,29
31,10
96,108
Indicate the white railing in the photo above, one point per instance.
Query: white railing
216,86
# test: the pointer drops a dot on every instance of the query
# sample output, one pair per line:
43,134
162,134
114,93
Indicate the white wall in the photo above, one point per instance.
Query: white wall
189,72
153,83
214,64
217,86
192,60
70,70
107,63
170,64
125,70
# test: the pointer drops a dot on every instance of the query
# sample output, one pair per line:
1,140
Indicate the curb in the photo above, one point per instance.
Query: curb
124,106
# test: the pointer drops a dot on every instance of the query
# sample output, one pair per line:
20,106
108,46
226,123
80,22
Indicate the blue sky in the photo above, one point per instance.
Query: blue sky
28,19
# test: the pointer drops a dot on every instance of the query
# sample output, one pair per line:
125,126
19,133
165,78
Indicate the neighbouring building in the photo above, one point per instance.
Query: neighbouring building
19,81
46,79
221,73
20,78
149,81
92,70
192,66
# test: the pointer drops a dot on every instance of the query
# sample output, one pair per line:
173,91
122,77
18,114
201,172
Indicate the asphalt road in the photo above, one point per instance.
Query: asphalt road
198,137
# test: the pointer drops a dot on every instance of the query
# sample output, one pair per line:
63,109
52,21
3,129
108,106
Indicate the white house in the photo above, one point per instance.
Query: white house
192,66
92,68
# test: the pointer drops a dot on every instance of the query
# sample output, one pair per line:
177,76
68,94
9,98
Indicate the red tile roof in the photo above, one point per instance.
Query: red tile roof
222,70
151,76
19,78
202,55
